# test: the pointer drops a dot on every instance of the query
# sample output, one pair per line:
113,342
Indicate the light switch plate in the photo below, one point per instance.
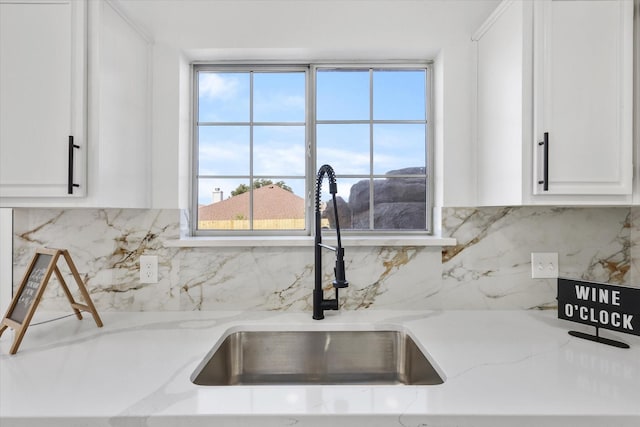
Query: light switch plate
544,265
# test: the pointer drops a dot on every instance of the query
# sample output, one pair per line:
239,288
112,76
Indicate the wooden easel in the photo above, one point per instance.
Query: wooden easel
34,282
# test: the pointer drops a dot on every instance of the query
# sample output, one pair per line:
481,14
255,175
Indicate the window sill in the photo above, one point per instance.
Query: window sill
283,241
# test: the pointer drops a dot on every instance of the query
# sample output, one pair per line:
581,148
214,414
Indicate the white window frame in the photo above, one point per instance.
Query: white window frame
310,133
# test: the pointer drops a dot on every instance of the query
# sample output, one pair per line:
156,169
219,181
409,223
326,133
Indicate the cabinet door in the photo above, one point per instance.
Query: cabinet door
42,85
582,97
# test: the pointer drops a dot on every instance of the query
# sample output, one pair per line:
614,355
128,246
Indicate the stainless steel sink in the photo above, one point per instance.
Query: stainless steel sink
316,357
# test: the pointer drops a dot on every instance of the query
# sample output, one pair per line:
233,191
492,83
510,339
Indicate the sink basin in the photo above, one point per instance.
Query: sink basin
316,357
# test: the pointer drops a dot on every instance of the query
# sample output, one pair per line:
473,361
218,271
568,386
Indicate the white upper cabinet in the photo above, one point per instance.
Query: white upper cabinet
73,68
554,103
119,108
503,121
42,102
583,56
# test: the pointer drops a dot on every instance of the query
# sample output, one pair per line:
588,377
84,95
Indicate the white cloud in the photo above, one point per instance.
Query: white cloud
217,86
279,107
226,157
343,160
279,160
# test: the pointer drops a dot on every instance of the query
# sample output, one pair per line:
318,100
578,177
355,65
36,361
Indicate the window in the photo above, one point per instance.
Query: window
261,133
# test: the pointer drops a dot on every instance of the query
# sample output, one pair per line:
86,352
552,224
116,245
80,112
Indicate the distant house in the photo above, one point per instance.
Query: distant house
273,208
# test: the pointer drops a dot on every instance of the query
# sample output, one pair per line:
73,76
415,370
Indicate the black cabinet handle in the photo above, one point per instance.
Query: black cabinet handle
70,183
545,163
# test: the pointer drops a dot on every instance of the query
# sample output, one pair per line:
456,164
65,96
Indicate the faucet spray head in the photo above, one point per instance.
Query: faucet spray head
339,270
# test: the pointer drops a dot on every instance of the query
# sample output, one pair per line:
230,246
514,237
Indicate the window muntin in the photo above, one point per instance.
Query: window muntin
257,125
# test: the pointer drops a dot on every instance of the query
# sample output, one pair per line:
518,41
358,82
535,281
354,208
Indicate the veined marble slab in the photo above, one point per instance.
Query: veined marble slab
501,368
491,265
489,268
105,245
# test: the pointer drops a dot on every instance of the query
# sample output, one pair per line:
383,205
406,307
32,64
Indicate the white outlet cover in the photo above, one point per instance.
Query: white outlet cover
544,265
148,269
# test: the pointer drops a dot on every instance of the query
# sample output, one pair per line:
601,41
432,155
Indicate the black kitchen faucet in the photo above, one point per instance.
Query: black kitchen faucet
319,303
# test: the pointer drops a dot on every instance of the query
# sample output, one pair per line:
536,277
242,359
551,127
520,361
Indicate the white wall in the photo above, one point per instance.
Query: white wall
636,101
6,258
309,30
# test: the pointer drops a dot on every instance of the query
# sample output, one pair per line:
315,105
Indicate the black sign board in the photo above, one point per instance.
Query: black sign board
612,307
27,292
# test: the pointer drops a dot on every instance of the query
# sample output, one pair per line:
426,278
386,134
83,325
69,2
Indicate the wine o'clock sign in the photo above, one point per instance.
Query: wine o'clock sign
601,305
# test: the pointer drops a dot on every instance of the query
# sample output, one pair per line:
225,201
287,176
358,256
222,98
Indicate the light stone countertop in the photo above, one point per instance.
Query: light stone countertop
501,368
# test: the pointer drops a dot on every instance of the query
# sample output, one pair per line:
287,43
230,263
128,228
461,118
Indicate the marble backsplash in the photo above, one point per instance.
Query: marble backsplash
489,268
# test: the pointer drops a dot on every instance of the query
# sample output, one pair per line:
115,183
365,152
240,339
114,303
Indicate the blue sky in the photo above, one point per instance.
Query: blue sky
279,151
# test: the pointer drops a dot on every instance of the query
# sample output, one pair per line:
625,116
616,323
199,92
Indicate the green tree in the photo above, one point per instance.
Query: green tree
243,188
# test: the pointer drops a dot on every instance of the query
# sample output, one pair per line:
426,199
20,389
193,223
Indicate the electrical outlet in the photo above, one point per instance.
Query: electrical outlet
544,265
148,269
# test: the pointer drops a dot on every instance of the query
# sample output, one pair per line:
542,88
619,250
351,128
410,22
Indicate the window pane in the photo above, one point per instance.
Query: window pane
354,214
278,204
400,203
344,189
223,97
279,150
353,204
223,150
344,147
397,146
342,95
218,208
399,95
279,97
